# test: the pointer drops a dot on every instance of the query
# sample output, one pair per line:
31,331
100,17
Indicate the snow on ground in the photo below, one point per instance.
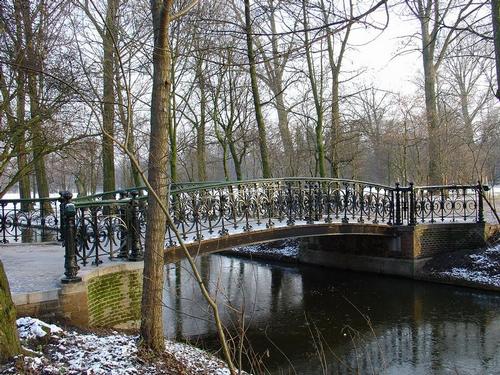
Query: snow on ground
285,250
481,266
32,328
475,276
69,352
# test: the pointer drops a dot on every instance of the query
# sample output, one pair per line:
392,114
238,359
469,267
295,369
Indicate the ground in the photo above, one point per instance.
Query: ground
65,351
480,267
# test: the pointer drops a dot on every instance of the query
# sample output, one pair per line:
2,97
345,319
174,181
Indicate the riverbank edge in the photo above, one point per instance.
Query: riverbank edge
419,276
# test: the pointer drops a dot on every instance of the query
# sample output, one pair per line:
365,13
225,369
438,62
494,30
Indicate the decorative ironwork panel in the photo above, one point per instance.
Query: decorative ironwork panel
35,220
451,203
224,208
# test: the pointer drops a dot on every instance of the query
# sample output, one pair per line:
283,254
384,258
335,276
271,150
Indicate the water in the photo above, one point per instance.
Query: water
311,320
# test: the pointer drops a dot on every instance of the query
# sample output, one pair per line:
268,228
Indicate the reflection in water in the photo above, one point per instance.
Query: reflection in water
331,321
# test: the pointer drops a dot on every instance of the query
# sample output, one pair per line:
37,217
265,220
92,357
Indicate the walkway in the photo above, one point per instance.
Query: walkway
33,267
34,271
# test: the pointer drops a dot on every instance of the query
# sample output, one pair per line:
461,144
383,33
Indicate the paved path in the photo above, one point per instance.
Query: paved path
37,267
33,267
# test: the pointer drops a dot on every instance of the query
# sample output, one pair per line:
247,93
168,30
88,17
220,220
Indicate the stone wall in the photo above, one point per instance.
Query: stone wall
106,297
114,299
402,252
432,239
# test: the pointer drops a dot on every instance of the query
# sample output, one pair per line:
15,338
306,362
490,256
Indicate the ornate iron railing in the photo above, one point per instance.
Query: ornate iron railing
29,220
93,228
218,209
450,203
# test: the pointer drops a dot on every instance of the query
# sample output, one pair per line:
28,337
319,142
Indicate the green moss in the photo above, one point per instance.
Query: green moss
115,298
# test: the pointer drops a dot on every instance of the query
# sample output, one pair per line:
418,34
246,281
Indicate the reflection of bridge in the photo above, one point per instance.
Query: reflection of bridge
215,216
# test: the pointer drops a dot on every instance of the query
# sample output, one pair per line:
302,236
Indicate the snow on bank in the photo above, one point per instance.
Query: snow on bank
482,268
280,250
474,276
74,353
32,328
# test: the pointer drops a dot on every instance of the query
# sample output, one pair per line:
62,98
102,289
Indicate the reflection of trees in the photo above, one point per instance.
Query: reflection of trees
276,281
178,306
416,326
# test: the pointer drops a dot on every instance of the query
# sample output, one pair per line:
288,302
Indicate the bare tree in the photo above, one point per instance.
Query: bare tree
264,153
435,41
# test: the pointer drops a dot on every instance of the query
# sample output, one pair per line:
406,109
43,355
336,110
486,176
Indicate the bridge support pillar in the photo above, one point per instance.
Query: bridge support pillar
402,252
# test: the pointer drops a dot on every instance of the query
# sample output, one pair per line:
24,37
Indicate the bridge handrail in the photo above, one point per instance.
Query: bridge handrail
212,184
95,197
24,200
103,203
452,186
194,185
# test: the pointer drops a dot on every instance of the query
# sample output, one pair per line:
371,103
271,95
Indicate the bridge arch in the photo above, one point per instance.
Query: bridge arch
264,235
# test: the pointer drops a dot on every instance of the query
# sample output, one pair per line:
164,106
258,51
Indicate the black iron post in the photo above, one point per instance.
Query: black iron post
361,201
289,204
480,210
345,220
310,198
64,198
70,264
412,220
136,253
3,223
124,225
398,205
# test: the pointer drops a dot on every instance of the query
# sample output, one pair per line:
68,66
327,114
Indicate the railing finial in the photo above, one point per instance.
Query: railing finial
68,211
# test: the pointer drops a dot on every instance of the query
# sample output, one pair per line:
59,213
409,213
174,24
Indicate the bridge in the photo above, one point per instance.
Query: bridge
212,217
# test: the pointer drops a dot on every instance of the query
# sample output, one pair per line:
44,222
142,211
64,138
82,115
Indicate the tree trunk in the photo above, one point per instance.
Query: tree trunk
20,143
235,157
276,78
495,15
34,63
335,66
200,128
127,120
264,154
108,109
224,162
152,317
9,339
285,131
320,147
335,128
434,149
172,129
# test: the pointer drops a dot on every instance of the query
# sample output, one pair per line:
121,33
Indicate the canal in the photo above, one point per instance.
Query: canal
311,320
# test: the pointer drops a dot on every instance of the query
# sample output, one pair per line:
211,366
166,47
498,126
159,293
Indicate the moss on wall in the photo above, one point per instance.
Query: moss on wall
114,300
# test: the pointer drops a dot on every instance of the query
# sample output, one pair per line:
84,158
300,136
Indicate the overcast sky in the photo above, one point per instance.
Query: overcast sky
381,53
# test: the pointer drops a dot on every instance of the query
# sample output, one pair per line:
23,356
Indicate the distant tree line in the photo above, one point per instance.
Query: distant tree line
104,94
257,89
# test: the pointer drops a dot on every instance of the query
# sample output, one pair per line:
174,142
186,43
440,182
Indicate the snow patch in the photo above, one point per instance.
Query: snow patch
32,328
75,353
196,359
289,249
475,276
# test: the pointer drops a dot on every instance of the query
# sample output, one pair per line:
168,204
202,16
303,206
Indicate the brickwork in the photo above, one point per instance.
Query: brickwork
381,246
114,299
408,242
433,239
